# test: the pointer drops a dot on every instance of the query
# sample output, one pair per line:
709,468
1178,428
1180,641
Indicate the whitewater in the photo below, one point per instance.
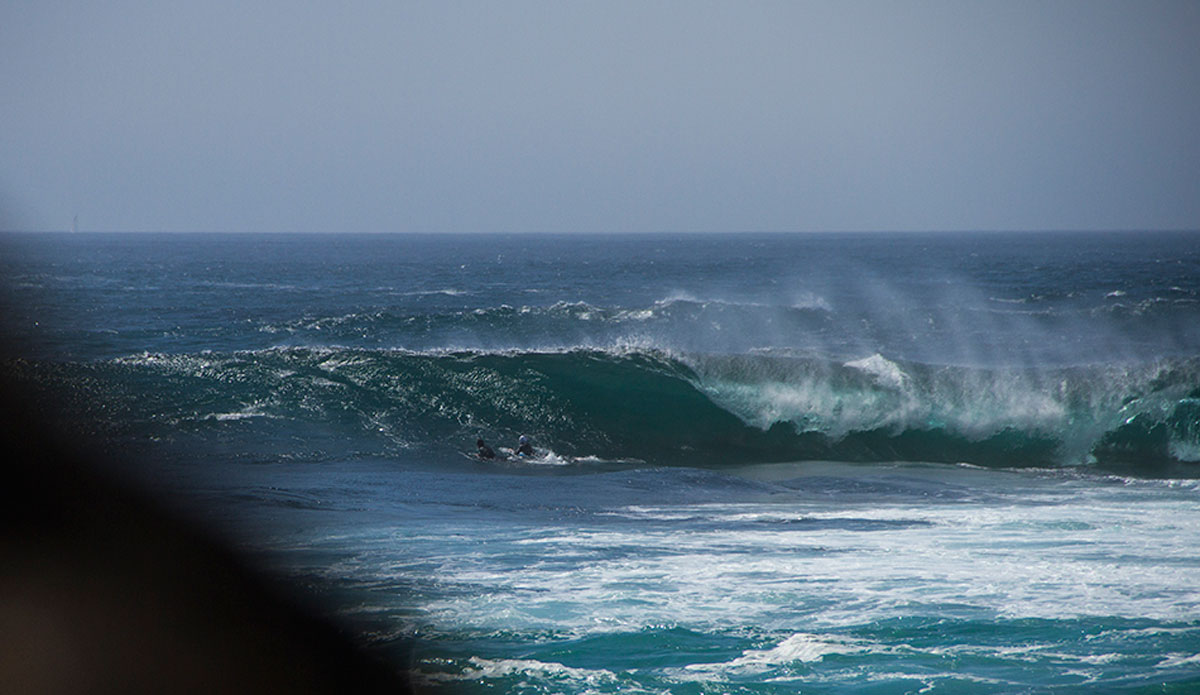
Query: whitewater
826,463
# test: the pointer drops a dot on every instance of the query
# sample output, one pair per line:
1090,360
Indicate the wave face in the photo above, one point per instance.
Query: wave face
643,404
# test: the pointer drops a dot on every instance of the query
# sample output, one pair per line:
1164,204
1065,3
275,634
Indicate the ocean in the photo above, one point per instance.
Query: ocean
764,463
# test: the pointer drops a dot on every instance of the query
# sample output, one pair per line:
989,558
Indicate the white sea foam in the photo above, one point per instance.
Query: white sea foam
447,292
1018,561
801,647
498,668
804,302
1175,660
1185,450
885,371
1075,407
634,315
541,457
528,670
240,415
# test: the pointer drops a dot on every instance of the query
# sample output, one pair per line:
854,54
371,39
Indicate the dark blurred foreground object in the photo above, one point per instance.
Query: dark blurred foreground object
100,592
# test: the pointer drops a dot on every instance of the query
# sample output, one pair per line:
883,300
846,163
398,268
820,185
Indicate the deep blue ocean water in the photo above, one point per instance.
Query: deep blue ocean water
826,463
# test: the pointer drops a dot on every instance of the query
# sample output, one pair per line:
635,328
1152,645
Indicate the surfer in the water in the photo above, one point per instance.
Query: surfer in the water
524,448
485,451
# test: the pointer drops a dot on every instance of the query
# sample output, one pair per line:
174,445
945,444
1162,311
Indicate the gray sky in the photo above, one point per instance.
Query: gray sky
599,116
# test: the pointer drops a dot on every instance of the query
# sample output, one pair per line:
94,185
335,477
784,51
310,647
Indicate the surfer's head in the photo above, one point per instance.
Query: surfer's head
523,439
479,442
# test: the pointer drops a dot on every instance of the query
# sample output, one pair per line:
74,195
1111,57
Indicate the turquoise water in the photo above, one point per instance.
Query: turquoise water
764,463
817,577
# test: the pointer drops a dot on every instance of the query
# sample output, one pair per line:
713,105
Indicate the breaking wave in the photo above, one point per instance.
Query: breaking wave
646,404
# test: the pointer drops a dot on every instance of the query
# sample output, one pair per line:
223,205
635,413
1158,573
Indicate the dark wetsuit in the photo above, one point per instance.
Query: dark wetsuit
525,449
485,451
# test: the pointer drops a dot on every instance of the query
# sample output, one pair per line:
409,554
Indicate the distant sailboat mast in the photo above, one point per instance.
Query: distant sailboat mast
75,224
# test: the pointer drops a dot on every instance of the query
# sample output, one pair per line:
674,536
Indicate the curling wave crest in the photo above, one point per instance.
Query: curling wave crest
663,407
